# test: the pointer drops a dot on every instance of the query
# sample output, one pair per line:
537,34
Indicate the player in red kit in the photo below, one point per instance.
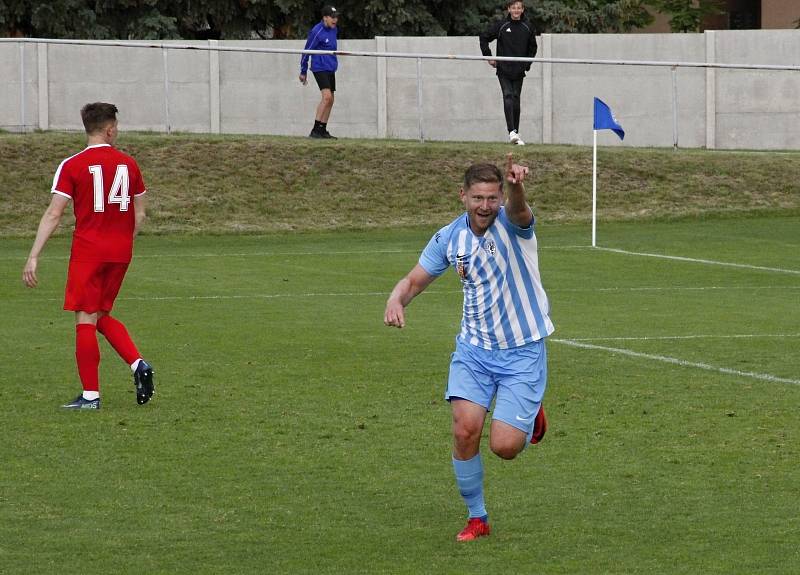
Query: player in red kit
108,198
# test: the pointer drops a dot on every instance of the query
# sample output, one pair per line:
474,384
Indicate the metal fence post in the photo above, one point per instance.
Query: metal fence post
22,86
166,92
674,108
419,100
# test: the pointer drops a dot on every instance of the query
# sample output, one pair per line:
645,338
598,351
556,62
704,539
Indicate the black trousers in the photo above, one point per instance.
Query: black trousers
512,90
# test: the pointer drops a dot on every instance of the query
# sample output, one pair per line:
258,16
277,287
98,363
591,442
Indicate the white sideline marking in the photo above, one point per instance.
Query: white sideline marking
22,257
266,296
274,254
698,336
254,296
427,292
668,288
230,254
700,261
680,362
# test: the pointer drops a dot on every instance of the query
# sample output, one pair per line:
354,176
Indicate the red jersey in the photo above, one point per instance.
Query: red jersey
101,181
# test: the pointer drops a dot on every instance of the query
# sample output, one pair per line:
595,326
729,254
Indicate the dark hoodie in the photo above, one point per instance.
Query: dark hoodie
514,38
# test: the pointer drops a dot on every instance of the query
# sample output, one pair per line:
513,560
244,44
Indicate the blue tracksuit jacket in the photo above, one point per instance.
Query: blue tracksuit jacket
320,38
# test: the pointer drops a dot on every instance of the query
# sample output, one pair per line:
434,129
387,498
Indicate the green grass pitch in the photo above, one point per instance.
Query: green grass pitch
292,432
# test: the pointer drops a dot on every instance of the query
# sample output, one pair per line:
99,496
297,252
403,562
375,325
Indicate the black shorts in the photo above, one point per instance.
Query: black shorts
326,80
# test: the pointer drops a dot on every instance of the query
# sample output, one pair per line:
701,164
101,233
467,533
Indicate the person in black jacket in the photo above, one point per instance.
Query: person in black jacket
515,38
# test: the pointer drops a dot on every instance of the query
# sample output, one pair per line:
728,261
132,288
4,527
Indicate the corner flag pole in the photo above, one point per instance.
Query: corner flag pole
603,120
594,191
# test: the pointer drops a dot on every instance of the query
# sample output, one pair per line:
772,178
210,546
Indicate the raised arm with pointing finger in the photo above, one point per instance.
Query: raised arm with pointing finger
517,206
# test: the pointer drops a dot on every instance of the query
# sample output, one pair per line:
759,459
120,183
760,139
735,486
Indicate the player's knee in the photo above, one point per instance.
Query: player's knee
327,98
506,451
506,446
466,434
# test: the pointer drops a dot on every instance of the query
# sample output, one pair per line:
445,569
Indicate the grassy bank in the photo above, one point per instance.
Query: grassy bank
255,184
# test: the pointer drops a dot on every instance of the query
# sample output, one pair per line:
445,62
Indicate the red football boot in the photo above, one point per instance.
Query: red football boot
539,426
476,527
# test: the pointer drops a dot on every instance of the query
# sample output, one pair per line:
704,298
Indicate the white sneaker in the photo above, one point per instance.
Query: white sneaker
513,137
519,142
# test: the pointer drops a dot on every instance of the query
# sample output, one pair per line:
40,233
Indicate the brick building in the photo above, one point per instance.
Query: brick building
743,15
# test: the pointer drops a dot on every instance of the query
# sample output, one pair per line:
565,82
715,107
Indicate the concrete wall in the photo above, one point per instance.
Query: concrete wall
19,94
261,93
755,106
641,97
245,92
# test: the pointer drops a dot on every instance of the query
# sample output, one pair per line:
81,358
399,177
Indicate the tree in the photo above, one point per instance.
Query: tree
86,19
589,16
247,19
687,15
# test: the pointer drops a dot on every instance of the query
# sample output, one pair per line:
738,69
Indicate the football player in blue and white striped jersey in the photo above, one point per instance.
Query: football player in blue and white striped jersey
500,352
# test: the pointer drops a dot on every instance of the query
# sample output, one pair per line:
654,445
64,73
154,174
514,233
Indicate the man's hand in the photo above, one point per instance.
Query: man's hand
406,289
395,315
515,173
47,225
517,208
29,273
303,79
492,63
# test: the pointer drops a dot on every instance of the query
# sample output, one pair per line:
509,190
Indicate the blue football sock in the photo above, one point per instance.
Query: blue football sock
469,478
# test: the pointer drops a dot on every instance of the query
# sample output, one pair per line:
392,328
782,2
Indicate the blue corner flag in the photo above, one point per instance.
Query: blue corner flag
605,120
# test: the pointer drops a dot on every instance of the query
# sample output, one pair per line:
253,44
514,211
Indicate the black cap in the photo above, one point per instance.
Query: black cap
330,11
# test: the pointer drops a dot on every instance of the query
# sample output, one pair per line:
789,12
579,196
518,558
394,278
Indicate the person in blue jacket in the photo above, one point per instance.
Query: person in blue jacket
322,37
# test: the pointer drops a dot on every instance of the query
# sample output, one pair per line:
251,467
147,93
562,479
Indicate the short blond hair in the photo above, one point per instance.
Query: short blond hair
482,173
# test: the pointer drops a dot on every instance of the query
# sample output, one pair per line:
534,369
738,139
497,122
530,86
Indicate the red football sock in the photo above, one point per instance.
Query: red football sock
87,354
119,338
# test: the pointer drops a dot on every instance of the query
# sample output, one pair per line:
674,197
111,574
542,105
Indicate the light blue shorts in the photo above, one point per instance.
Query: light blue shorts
515,378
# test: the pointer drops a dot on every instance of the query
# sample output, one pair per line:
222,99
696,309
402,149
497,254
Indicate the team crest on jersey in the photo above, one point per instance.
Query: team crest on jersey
490,247
461,265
